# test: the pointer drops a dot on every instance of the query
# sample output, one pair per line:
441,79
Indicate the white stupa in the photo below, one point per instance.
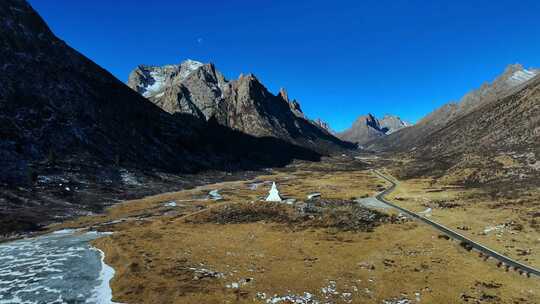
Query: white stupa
273,194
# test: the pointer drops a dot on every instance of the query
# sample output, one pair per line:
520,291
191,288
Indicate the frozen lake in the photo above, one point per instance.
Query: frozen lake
60,267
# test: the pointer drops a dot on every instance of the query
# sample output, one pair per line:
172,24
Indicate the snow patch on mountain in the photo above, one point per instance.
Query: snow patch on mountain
522,76
157,83
189,66
157,78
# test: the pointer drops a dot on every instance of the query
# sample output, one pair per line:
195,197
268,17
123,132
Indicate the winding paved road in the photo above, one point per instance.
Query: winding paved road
508,262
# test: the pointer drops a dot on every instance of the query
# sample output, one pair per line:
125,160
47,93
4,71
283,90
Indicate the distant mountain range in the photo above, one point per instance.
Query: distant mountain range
243,104
367,128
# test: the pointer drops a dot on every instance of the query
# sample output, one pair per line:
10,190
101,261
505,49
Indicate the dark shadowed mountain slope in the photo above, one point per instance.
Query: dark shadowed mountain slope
243,104
56,103
73,136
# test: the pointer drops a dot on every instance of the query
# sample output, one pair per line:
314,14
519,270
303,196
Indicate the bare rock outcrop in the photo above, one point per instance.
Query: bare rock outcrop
367,128
243,104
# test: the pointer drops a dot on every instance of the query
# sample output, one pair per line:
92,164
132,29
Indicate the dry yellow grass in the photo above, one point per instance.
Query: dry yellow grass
504,225
163,258
152,263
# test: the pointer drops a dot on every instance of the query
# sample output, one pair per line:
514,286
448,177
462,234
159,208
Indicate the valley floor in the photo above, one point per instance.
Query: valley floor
186,247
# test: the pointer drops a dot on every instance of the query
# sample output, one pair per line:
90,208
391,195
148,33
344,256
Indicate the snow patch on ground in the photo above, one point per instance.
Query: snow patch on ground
242,282
497,228
170,204
214,194
129,178
399,301
306,298
200,273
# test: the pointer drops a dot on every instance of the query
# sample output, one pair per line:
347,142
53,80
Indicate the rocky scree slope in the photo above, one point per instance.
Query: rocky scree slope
243,104
73,136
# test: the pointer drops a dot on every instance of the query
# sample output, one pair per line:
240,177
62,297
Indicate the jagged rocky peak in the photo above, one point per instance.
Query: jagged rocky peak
244,104
368,127
246,87
369,120
293,104
191,87
150,81
324,125
392,123
364,129
283,94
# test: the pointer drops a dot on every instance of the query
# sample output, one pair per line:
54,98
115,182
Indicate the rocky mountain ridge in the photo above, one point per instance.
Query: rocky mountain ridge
392,123
243,104
491,137
367,128
324,125
497,143
513,78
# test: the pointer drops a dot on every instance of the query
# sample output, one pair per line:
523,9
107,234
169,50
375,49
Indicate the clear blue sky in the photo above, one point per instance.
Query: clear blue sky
339,58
